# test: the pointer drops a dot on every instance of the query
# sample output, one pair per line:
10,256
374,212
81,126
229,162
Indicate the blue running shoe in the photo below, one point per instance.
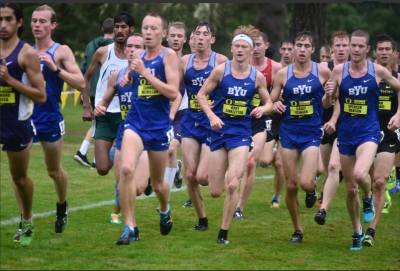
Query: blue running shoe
127,236
166,222
368,209
396,188
357,241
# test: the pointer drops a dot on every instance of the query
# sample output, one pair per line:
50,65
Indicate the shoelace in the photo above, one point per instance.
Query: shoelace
367,205
356,241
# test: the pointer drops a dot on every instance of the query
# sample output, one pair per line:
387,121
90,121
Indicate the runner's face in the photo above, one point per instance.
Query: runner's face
191,44
303,50
41,24
287,52
133,43
324,56
202,39
341,49
358,49
384,53
260,47
176,38
8,23
122,31
241,51
152,31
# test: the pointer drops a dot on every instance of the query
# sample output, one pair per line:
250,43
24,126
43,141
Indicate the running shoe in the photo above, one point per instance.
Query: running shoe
61,218
178,175
200,227
369,238
188,204
368,209
357,241
311,198
81,159
275,202
320,217
297,237
17,235
166,222
116,219
396,188
386,207
223,241
127,236
27,233
319,203
391,181
238,215
93,166
149,189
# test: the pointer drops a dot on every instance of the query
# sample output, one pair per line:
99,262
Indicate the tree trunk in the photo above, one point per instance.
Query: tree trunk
271,20
310,17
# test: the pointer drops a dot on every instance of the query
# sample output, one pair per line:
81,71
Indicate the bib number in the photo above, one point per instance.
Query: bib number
170,135
384,103
194,104
234,109
256,100
268,125
355,108
7,96
147,91
124,110
398,134
301,109
62,127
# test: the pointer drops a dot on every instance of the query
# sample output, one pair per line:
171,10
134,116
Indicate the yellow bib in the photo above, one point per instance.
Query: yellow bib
7,95
194,104
124,110
256,100
147,91
355,108
384,103
234,109
301,109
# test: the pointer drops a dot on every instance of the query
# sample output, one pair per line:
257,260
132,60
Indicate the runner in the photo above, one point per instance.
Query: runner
110,58
329,150
268,69
194,70
108,38
21,81
301,132
325,53
147,125
58,65
234,84
359,111
176,38
269,153
389,115
133,43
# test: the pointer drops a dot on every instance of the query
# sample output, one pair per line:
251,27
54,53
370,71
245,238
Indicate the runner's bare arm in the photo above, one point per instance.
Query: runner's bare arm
101,108
261,88
175,106
28,61
279,82
126,79
325,78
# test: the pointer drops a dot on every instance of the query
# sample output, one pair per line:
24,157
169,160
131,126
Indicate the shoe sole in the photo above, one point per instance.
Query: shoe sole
166,229
237,218
17,241
64,228
319,220
80,161
198,230
368,243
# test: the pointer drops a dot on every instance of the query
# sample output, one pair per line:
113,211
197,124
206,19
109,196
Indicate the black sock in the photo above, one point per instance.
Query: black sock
223,234
136,231
61,209
203,221
20,223
398,173
322,195
371,232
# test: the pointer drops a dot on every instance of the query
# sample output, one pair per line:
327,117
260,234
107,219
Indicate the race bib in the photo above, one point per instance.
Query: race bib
7,95
194,104
147,91
301,109
268,124
124,110
355,108
256,100
234,109
384,103
62,127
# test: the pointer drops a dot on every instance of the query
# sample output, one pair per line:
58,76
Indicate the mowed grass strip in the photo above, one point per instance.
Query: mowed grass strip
258,242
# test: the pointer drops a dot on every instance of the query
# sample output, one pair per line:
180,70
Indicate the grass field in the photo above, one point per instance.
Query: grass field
258,242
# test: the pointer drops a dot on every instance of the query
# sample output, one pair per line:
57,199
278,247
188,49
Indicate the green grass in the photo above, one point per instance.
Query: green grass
258,242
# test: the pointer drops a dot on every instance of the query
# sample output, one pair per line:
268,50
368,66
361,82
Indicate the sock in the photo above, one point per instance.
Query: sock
94,160
388,198
277,197
169,176
131,228
20,223
136,231
84,147
360,232
203,221
223,234
371,232
322,195
116,195
29,220
164,213
398,173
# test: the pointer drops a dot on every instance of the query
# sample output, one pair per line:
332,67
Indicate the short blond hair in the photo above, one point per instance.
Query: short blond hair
53,16
178,25
249,30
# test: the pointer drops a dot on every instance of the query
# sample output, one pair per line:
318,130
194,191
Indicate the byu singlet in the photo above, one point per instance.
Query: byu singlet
124,95
112,64
233,99
303,98
359,105
14,106
149,109
194,80
50,110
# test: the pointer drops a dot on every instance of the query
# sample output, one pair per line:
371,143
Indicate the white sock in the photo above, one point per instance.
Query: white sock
84,147
94,160
360,232
29,220
164,213
169,176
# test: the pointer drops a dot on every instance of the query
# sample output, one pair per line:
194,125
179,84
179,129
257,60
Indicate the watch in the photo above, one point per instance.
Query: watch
58,70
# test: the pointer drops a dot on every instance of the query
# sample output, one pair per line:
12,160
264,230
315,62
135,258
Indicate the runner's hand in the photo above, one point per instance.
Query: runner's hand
125,80
48,60
394,123
257,112
4,75
138,66
330,127
100,110
279,107
87,115
216,123
329,87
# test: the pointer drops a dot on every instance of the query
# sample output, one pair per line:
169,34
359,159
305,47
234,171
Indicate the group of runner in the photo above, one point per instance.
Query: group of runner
227,114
